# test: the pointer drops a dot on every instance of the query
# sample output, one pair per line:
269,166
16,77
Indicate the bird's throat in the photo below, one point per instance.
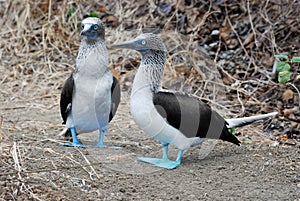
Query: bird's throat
92,60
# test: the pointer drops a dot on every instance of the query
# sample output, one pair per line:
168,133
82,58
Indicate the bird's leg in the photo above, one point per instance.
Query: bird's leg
179,156
165,152
164,162
75,142
101,144
101,138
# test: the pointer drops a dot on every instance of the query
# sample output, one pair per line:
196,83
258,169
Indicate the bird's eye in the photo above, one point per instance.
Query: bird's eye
95,27
82,26
143,42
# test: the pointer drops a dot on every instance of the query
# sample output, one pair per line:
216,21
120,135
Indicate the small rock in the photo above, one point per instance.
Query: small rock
274,144
215,32
213,44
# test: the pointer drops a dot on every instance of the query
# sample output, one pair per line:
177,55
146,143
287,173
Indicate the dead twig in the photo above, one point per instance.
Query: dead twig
238,37
15,156
297,92
90,165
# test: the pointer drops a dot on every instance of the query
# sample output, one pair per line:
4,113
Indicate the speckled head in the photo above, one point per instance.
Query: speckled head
92,29
144,43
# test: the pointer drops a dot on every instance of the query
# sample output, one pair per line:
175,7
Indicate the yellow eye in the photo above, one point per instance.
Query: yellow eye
95,27
143,42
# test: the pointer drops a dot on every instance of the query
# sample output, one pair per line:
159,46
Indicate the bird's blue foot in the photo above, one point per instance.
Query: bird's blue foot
161,162
164,162
101,144
75,142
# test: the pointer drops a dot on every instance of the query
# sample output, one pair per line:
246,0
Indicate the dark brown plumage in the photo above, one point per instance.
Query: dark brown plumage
192,117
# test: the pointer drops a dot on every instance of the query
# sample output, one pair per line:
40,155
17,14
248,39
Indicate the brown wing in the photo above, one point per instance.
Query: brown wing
192,117
66,98
115,97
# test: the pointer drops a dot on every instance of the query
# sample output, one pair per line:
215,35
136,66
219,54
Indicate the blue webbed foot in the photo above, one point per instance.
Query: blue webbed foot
161,162
75,142
164,162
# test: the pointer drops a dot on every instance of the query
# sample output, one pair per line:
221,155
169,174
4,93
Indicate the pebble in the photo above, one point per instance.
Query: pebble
213,44
274,144
215,32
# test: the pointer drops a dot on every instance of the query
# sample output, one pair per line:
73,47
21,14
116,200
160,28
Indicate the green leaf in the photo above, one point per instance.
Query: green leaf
232,131
295,59
93,14
284,76
247,140
281,56
283,66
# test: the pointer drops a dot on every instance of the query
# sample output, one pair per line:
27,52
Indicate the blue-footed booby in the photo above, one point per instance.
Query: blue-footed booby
172,117
91,95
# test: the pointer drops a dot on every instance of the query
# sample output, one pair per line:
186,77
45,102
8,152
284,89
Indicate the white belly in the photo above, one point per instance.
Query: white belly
90,104
153,124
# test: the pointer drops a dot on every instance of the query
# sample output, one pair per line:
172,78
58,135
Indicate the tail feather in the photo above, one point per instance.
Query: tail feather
237,122
229,137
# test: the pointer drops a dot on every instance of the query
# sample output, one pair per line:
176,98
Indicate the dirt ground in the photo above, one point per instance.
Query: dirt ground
35,167
37,53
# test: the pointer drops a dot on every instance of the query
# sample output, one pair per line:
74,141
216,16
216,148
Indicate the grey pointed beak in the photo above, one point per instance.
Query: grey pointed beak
132,44
85,29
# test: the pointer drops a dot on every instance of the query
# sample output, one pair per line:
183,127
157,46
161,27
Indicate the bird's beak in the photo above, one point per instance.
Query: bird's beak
132,44
86,28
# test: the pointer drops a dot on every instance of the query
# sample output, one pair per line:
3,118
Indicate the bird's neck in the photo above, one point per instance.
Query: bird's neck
92,59
150,71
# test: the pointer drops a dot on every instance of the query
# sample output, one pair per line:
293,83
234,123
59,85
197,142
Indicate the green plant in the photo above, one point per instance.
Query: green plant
93,14
232,131
284,66
71,11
